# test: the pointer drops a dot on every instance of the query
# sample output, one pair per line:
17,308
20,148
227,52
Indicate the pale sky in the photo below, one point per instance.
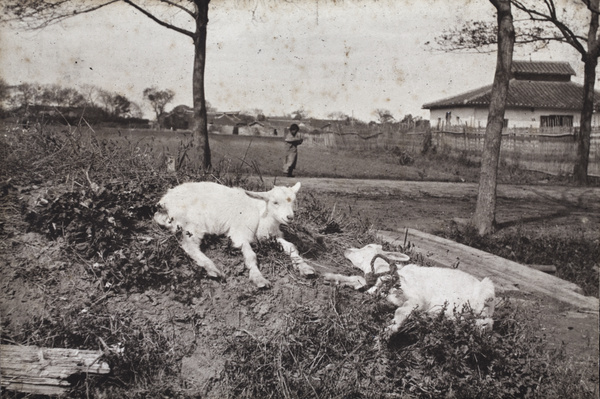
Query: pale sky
347,56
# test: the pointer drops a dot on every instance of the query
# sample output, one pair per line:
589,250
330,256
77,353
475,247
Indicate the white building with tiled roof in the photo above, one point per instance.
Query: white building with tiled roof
540,95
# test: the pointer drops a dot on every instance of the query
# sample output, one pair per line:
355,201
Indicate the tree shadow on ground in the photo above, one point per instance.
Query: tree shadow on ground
533,219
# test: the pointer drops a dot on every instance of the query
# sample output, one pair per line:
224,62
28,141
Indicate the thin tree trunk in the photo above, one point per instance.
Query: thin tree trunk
484,219
583,137
590,59
199,120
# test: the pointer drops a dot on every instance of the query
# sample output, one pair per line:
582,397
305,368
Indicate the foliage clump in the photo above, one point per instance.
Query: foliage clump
342,351
144,358
574,256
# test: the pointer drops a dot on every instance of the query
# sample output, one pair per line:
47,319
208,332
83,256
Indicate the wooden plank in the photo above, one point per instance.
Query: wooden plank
46,390
507,275
45,371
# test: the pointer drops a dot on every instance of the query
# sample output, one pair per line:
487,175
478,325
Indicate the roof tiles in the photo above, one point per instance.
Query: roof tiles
542,68
522,94
544,90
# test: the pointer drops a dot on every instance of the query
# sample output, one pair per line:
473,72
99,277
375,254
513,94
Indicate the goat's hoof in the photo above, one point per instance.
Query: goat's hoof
308,273
263,284
390,331
260,282
216,274
306,270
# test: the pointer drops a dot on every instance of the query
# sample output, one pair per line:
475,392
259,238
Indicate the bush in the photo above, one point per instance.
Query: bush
140,353
573,255
341,352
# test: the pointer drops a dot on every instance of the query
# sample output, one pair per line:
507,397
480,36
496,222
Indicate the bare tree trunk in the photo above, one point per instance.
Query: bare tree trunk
580,173
199,120
484,218
590,59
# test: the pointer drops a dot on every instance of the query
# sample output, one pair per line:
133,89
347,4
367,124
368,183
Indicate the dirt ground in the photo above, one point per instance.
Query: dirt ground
235,306
427,206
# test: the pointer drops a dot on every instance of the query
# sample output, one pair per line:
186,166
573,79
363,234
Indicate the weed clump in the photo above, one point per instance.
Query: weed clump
141,353
573,256
341,351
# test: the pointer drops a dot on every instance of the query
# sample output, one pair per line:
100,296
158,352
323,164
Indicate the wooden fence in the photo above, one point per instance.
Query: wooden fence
553,153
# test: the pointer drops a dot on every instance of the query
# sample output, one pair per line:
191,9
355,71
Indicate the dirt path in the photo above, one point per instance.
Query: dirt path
584,197
428,206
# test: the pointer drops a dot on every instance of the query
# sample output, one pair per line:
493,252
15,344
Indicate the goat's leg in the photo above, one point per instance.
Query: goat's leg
297,260
251,263
402,314
191,245
378,284
356,282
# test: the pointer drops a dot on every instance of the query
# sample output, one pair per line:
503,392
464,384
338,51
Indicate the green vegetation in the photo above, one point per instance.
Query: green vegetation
574,255
83,266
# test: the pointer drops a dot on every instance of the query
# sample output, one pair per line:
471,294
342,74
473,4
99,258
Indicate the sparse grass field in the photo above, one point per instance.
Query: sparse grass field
248,154
83,266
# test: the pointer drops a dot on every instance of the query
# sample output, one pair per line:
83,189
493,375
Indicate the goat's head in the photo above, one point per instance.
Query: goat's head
280,202
362,257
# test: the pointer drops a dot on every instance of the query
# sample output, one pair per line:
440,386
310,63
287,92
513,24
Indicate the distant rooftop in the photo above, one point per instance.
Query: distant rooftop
542,68
534,84
521,94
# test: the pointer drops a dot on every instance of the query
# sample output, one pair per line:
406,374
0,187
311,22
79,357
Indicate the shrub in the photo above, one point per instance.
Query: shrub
573,254
341,352
140,353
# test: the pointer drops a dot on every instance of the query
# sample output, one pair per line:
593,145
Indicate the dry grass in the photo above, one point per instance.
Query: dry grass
264,155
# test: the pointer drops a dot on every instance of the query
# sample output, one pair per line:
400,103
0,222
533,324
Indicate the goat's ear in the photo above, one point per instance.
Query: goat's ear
296,188
397,256
260,196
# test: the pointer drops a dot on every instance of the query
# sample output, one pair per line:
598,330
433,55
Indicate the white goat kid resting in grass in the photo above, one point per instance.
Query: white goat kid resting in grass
427,289
244,216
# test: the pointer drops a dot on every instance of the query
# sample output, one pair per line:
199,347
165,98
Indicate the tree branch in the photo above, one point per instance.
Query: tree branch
158,21
590,6
184,9
45,15
552,18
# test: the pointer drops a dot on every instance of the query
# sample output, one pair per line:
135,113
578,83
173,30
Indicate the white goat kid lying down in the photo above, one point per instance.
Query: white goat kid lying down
427,289
244,216
431,288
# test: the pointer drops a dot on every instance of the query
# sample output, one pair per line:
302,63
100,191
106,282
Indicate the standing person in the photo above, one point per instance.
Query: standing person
291,153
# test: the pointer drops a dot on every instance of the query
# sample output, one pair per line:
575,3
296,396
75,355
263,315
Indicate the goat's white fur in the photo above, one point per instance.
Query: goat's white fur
244,216
427,289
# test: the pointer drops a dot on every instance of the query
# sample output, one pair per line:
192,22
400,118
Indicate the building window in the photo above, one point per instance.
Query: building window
505,123
556,121
448,118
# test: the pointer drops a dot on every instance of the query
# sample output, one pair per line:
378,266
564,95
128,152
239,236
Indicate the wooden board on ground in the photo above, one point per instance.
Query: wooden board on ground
507,275
46,371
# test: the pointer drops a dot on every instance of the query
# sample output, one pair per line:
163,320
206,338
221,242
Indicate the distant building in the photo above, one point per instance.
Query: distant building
177,119
540,95
180,118
237,123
